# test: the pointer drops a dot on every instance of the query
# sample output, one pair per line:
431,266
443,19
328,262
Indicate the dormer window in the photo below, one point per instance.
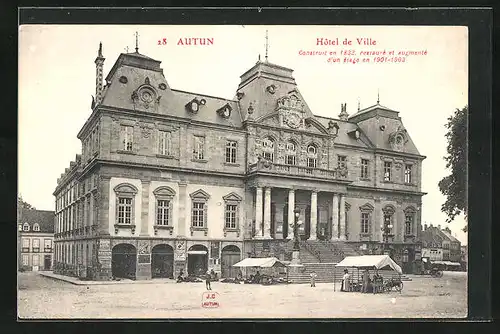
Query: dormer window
333,127
355,134
36,227
225,111
26,227
193,105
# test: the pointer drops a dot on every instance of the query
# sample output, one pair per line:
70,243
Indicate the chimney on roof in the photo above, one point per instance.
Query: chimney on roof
343,112
439,226
425,227
431,225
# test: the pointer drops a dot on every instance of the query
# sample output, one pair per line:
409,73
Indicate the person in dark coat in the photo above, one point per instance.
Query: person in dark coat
208,279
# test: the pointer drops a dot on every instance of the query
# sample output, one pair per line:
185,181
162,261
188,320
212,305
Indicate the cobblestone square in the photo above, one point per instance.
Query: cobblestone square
40,297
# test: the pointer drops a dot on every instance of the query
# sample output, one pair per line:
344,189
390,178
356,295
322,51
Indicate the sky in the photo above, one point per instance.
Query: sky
57,80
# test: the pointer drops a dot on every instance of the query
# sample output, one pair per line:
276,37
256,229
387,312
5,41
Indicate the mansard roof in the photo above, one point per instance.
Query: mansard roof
45,219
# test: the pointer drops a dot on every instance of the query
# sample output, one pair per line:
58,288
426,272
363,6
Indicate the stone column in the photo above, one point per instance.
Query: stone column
291,214
267,213
342,217
181,223
145,208
381,227
258,212
314,216
335,217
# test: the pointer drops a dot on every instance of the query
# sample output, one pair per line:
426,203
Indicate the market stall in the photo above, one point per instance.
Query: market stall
371,262
272,270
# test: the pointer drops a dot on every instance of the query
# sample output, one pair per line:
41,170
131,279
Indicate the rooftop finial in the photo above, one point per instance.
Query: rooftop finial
378,96
136,42
126,49
100,50
267,45
259,56
359,104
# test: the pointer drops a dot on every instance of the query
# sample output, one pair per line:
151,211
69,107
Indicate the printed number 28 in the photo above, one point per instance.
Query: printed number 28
162,41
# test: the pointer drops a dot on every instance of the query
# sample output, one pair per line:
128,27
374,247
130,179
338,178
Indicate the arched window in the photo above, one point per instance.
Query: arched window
36,227
409,221
291,153
164,198
312,156
268,149
125,206
26,227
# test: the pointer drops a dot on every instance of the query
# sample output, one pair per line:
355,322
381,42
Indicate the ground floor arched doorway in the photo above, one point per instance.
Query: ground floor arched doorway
123,261
162,261
230,256
197,260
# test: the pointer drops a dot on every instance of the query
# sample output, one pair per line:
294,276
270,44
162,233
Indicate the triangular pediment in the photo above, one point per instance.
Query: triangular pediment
366,207
200,194
232,197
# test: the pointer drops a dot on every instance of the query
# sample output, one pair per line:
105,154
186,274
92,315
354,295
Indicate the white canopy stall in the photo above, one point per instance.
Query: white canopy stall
369,262
260,262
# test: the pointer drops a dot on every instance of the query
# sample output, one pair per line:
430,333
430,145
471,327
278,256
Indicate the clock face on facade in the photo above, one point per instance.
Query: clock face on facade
146,96
292,120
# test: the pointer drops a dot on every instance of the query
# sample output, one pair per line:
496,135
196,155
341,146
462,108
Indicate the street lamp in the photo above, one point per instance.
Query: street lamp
296,224
386,229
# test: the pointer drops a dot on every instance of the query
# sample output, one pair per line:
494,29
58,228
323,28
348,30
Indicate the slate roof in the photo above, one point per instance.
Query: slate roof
343,134
45,219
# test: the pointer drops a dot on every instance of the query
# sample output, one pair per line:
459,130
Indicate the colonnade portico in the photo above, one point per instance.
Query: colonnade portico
263,214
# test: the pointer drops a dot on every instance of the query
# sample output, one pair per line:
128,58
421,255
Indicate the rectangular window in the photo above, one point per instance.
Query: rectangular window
165,143
36,260
364,169
290,160
387,171
127,137
163,212
47,244
36,245
231,151
365,223
268,156
312,162
199,148
231,215
341,161
408,176
26,260
26,244
198,214
124,210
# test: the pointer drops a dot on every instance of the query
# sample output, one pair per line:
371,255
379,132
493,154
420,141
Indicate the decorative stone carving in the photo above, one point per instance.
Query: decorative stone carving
144,247
398,139
146,131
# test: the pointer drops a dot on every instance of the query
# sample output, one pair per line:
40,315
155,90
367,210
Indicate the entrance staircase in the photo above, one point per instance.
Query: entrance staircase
321,256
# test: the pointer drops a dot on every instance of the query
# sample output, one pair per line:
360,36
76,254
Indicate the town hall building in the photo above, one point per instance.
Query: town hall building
169,180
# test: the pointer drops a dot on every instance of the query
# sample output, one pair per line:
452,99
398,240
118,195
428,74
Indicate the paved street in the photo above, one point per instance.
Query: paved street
42,297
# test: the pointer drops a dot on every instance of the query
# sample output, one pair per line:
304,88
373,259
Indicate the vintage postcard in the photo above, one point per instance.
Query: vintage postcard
240,171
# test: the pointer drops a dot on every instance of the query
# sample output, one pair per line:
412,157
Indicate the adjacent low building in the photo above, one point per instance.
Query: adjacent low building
439,244
35,239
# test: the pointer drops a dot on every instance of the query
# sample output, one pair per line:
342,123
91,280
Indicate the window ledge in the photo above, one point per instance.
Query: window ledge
232,230
387,181
365,179
126,152
231,164
164,227
165,156
123,226
199,160
204,229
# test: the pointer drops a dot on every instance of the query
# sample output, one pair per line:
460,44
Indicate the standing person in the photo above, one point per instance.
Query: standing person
208,280
366,281
313,279
345,281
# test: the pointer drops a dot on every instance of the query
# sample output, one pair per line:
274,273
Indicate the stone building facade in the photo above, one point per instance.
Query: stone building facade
170,180
35,239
